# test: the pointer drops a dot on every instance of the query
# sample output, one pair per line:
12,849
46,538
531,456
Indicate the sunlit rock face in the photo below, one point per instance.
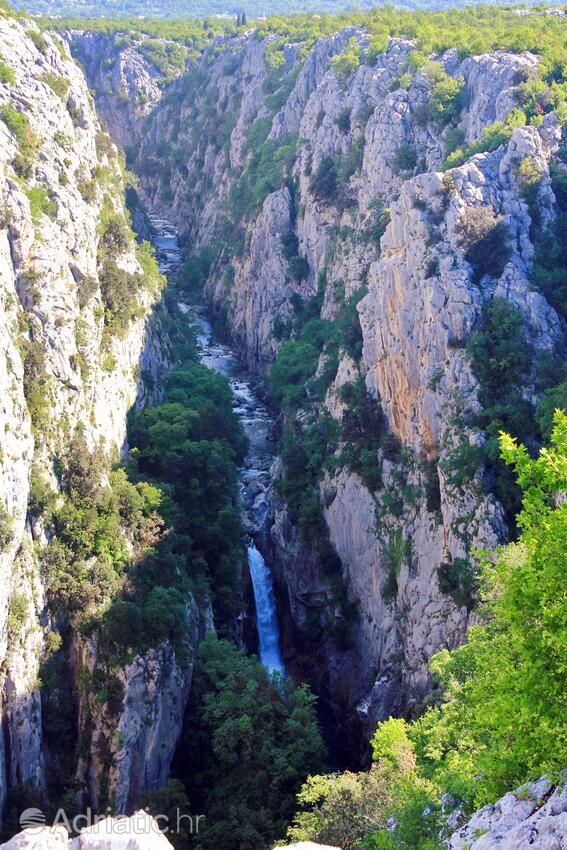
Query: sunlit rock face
534,815
50,209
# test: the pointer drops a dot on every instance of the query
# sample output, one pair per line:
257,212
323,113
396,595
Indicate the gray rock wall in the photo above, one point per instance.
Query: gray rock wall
89,378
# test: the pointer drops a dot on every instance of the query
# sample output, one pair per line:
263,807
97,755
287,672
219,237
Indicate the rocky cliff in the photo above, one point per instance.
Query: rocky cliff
371,188
127,83
530,816
73,363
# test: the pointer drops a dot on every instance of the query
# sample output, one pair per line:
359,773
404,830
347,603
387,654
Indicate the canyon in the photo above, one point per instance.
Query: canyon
418,304
359,225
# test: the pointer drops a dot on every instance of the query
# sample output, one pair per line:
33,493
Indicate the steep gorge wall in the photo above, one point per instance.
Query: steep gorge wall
389,227
62,368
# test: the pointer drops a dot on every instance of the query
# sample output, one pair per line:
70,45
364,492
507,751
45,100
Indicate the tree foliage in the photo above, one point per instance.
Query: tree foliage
248,745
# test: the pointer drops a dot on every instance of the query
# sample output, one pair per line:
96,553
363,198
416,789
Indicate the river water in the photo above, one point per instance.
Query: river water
255,473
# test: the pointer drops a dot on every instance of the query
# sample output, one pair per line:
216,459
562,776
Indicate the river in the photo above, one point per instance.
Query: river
255,472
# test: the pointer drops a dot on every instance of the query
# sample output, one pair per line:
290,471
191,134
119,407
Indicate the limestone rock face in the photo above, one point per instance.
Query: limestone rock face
490,82
534,815
139,737
126,82
59,365
260,284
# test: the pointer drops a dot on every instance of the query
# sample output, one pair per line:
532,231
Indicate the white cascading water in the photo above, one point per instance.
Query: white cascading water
255,474
266,618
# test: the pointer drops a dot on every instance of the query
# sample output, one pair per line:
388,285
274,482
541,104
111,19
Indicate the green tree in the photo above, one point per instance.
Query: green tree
346,63
250,742
504,717
172,801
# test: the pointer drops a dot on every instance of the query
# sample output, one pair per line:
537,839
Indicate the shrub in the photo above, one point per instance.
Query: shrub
248,741
550,269
323,183
343,121
378,44
37,384
462,463
122,624
529,178
104,145
363,428
485,242
153,280
492,137
295,364
60,85
17,613
82,470
405,159
195,271
39,40
42,497
63,140
169,58
6,532
498,350
348,165
263,175
7,75
40,203
446,100
172,801
257,133
87,288
457,579
500,359
28,142
298,268
290,245
305,451
119,290
88,191
116,237
388,808
163,614
344,64
554,398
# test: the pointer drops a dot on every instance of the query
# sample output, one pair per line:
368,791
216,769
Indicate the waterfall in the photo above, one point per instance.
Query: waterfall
268,631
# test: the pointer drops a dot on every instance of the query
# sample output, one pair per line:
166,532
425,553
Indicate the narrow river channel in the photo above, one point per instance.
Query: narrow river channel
255,473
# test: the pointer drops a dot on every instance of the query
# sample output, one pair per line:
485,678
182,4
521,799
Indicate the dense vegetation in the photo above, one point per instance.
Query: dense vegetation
248,744
498,716
192,442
